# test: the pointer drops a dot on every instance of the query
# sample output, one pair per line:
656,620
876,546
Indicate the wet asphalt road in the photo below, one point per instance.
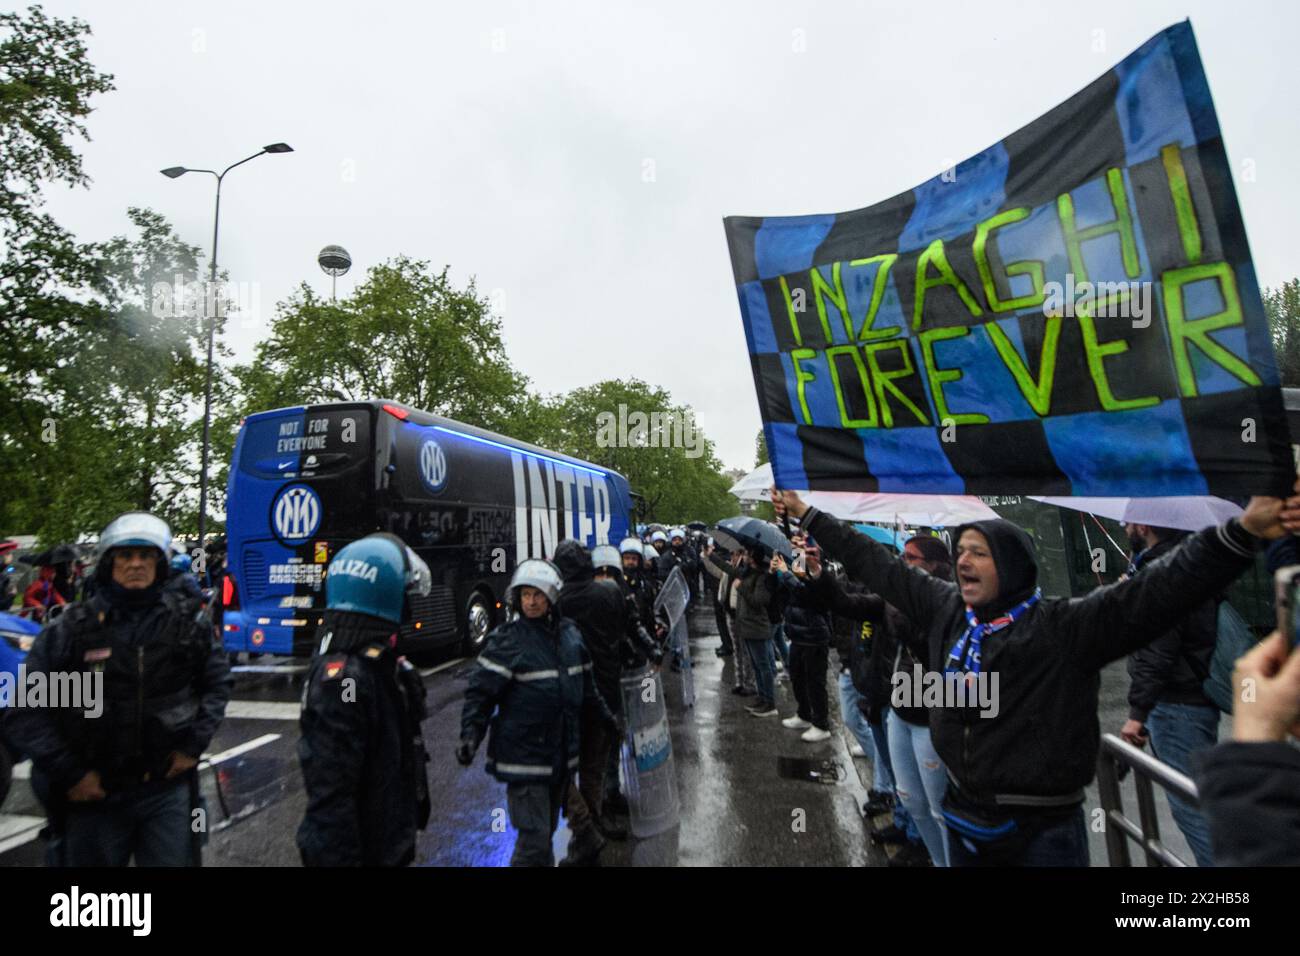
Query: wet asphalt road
736,809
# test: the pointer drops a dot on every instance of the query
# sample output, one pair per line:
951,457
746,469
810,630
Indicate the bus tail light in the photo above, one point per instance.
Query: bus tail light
229,593
396,412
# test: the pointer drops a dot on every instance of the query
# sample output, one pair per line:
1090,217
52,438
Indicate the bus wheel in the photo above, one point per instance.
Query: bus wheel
478,623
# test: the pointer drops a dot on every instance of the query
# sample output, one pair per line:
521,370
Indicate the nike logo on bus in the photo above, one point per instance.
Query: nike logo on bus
283,465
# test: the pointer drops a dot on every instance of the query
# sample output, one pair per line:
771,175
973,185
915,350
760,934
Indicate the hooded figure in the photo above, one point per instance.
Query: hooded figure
1017,727
603,616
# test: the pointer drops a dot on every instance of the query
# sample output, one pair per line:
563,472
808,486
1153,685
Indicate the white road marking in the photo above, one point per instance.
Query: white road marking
442,667
17,829
263,710
237,751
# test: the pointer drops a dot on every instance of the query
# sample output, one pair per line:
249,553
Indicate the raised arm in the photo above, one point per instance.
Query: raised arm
917,594
1116,620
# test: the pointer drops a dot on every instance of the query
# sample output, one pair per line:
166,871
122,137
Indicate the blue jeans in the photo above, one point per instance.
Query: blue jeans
920,779
760,654
853,718
1178,731
883,771
151,823
1063,843
782,645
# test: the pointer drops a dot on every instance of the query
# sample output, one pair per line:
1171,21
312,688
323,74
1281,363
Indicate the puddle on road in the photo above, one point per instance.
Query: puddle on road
813,771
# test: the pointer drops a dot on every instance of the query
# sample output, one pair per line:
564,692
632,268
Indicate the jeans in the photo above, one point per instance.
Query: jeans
883,775
808,679
853,718
1063,842
1178,731
760,655
744,664
782,645
152,822
534,809
920,779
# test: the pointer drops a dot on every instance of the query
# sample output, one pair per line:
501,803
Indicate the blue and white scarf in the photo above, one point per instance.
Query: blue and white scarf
965,654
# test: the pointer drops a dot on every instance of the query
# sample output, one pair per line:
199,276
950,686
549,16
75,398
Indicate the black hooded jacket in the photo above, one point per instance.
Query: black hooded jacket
1043,741
601,613
1172,667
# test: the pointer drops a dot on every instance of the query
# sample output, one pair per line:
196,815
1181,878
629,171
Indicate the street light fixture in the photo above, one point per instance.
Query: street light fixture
175,172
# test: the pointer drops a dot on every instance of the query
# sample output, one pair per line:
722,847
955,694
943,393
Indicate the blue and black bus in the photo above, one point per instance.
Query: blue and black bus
305,481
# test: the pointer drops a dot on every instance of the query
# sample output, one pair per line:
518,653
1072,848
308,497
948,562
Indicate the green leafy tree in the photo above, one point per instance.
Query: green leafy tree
679,481
405,333
46,83
50,286
121,423
1282,306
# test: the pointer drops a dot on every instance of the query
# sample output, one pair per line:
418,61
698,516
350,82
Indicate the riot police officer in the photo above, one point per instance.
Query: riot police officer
536,675
122,782
362,748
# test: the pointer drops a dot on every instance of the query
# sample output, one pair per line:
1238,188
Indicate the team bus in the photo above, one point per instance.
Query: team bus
306,481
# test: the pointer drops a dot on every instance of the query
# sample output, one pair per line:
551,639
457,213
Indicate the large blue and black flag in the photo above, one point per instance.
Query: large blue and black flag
1073,311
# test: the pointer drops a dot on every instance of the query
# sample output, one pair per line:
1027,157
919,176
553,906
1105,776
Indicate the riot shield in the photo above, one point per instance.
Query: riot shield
672,600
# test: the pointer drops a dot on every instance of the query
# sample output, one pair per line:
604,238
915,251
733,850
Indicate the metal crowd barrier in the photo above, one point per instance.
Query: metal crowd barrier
1147,771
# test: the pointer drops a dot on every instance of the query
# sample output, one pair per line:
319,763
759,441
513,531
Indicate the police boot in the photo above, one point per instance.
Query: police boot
584,848
609,829
616,804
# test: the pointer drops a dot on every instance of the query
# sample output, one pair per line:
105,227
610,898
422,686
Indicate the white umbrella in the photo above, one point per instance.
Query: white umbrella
1190,513
754,486
931,510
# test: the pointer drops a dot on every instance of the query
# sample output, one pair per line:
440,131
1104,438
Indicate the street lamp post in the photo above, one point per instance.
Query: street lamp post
173,172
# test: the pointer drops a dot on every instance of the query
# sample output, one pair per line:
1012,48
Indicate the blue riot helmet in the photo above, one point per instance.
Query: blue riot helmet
375,576
181,564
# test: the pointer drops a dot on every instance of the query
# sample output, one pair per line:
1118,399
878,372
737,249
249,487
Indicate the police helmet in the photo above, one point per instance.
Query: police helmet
606,556
182,564
374,576
649,553
630,546
677,533
135,529
536,573
658,536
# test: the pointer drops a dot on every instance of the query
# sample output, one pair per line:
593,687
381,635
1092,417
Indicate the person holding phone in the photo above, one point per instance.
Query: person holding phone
1250,786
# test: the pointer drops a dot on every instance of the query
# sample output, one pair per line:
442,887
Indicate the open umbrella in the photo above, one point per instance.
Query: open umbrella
697,526
59,554
886,536
935,511
722,532
1188,513
753,533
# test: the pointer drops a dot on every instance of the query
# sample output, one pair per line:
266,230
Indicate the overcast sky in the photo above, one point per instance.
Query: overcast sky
515,143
